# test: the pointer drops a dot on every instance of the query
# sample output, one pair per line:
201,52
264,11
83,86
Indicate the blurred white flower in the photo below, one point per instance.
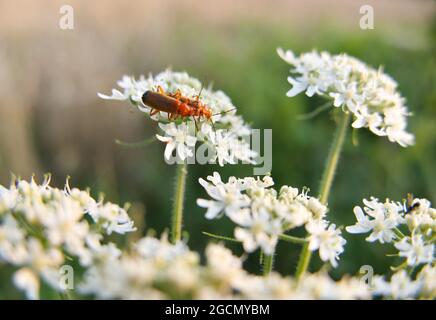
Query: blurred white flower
369,94
26,280
401,286
157,269
153,269
226,139
45,226
116,95
222,265
415,250
8,198
321,286
427,277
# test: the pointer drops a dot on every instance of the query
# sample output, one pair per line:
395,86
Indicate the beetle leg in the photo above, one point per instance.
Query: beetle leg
160,90
199,94
178,94
196,124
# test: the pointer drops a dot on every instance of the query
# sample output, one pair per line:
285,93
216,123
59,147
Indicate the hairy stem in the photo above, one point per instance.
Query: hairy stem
303,261
326,183
267,263
179,194
333,158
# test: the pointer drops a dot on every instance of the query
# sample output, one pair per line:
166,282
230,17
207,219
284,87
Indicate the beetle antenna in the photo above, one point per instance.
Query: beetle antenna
199,94
215,114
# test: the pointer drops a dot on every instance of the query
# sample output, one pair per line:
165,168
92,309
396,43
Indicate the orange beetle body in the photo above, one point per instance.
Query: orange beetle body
176,105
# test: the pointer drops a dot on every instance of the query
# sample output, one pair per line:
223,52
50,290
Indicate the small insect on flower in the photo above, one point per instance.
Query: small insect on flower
411,204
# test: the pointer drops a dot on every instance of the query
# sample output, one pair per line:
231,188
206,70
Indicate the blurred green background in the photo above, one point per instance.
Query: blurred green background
51,119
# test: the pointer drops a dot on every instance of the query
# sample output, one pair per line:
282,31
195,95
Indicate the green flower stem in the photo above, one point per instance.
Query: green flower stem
267,263
303,261
66,295
219,237
315,112
399,234
326,183
179,193
333,158
292,239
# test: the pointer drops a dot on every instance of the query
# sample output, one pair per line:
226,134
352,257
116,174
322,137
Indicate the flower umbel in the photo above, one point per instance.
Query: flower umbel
369,94
262,214
42,227
224,134
417,220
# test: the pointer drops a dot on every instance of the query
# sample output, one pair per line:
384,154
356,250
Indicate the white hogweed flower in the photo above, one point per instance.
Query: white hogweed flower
179,138
27,281
385,217
41,227
369,94
222,132
258,229
222,266
415,250
326,239
226,197
157,269
320,286
261,214
427,277
400,286
409,225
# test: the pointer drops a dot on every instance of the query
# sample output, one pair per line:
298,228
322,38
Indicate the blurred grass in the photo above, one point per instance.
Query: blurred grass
241,60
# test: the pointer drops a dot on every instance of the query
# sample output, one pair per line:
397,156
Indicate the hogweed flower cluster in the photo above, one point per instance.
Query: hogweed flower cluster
41,228
388,220
402,286
410,226
369,94
156,269
226,138
262,214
